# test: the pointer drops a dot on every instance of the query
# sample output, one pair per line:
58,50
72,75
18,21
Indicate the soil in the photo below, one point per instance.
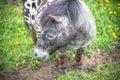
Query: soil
50,72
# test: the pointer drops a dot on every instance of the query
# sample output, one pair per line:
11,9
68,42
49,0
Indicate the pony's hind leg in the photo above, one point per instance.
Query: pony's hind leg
78,64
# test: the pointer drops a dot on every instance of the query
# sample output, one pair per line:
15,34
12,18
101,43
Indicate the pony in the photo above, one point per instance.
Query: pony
64,25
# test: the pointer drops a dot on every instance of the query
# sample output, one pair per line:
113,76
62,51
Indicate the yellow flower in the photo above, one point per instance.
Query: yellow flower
14,9
16,64
110,12
109,26
115,13
107,1
101,1
114,35
17,42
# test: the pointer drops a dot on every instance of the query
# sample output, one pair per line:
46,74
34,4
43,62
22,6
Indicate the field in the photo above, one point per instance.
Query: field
16,48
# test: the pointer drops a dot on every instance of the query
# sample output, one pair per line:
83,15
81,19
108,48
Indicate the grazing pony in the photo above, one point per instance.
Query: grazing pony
64,25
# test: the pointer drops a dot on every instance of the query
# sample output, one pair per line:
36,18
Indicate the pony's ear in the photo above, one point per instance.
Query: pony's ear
54,18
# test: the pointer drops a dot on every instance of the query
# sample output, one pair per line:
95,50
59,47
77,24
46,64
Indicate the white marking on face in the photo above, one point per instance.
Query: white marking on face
51,0
41,54
32,10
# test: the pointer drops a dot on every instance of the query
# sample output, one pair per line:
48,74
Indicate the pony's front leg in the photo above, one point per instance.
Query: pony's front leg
61,63
78,64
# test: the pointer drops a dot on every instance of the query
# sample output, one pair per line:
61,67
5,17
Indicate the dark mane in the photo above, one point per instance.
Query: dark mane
70,8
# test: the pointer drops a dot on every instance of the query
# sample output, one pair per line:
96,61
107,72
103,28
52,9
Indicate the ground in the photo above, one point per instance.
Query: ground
49,71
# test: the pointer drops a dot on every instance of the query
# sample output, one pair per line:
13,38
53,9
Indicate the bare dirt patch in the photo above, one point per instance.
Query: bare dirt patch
50,72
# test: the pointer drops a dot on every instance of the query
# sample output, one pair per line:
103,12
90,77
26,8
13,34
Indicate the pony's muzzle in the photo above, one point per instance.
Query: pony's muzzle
40,54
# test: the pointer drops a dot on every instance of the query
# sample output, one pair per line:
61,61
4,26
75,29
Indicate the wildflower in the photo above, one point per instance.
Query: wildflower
107,1
101,1
114,35
17,42
115,13
16,64
109,26
14,9
110,12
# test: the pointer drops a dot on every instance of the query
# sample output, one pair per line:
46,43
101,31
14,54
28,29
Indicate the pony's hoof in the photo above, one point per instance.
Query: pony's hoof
78,67
64,71
81,67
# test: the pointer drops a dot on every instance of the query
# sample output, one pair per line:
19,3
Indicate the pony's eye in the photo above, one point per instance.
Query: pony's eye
50,36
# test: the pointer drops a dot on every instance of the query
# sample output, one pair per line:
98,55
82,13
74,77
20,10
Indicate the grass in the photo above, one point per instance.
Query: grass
107,15
16,49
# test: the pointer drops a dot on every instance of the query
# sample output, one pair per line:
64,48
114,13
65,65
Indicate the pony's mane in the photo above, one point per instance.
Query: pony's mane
69,8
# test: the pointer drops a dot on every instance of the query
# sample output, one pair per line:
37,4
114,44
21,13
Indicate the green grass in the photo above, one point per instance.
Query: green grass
107,20
16,48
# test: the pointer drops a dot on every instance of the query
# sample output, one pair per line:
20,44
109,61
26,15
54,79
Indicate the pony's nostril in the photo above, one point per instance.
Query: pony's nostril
35,54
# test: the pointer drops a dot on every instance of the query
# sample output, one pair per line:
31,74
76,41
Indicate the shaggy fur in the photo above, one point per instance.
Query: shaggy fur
75,27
